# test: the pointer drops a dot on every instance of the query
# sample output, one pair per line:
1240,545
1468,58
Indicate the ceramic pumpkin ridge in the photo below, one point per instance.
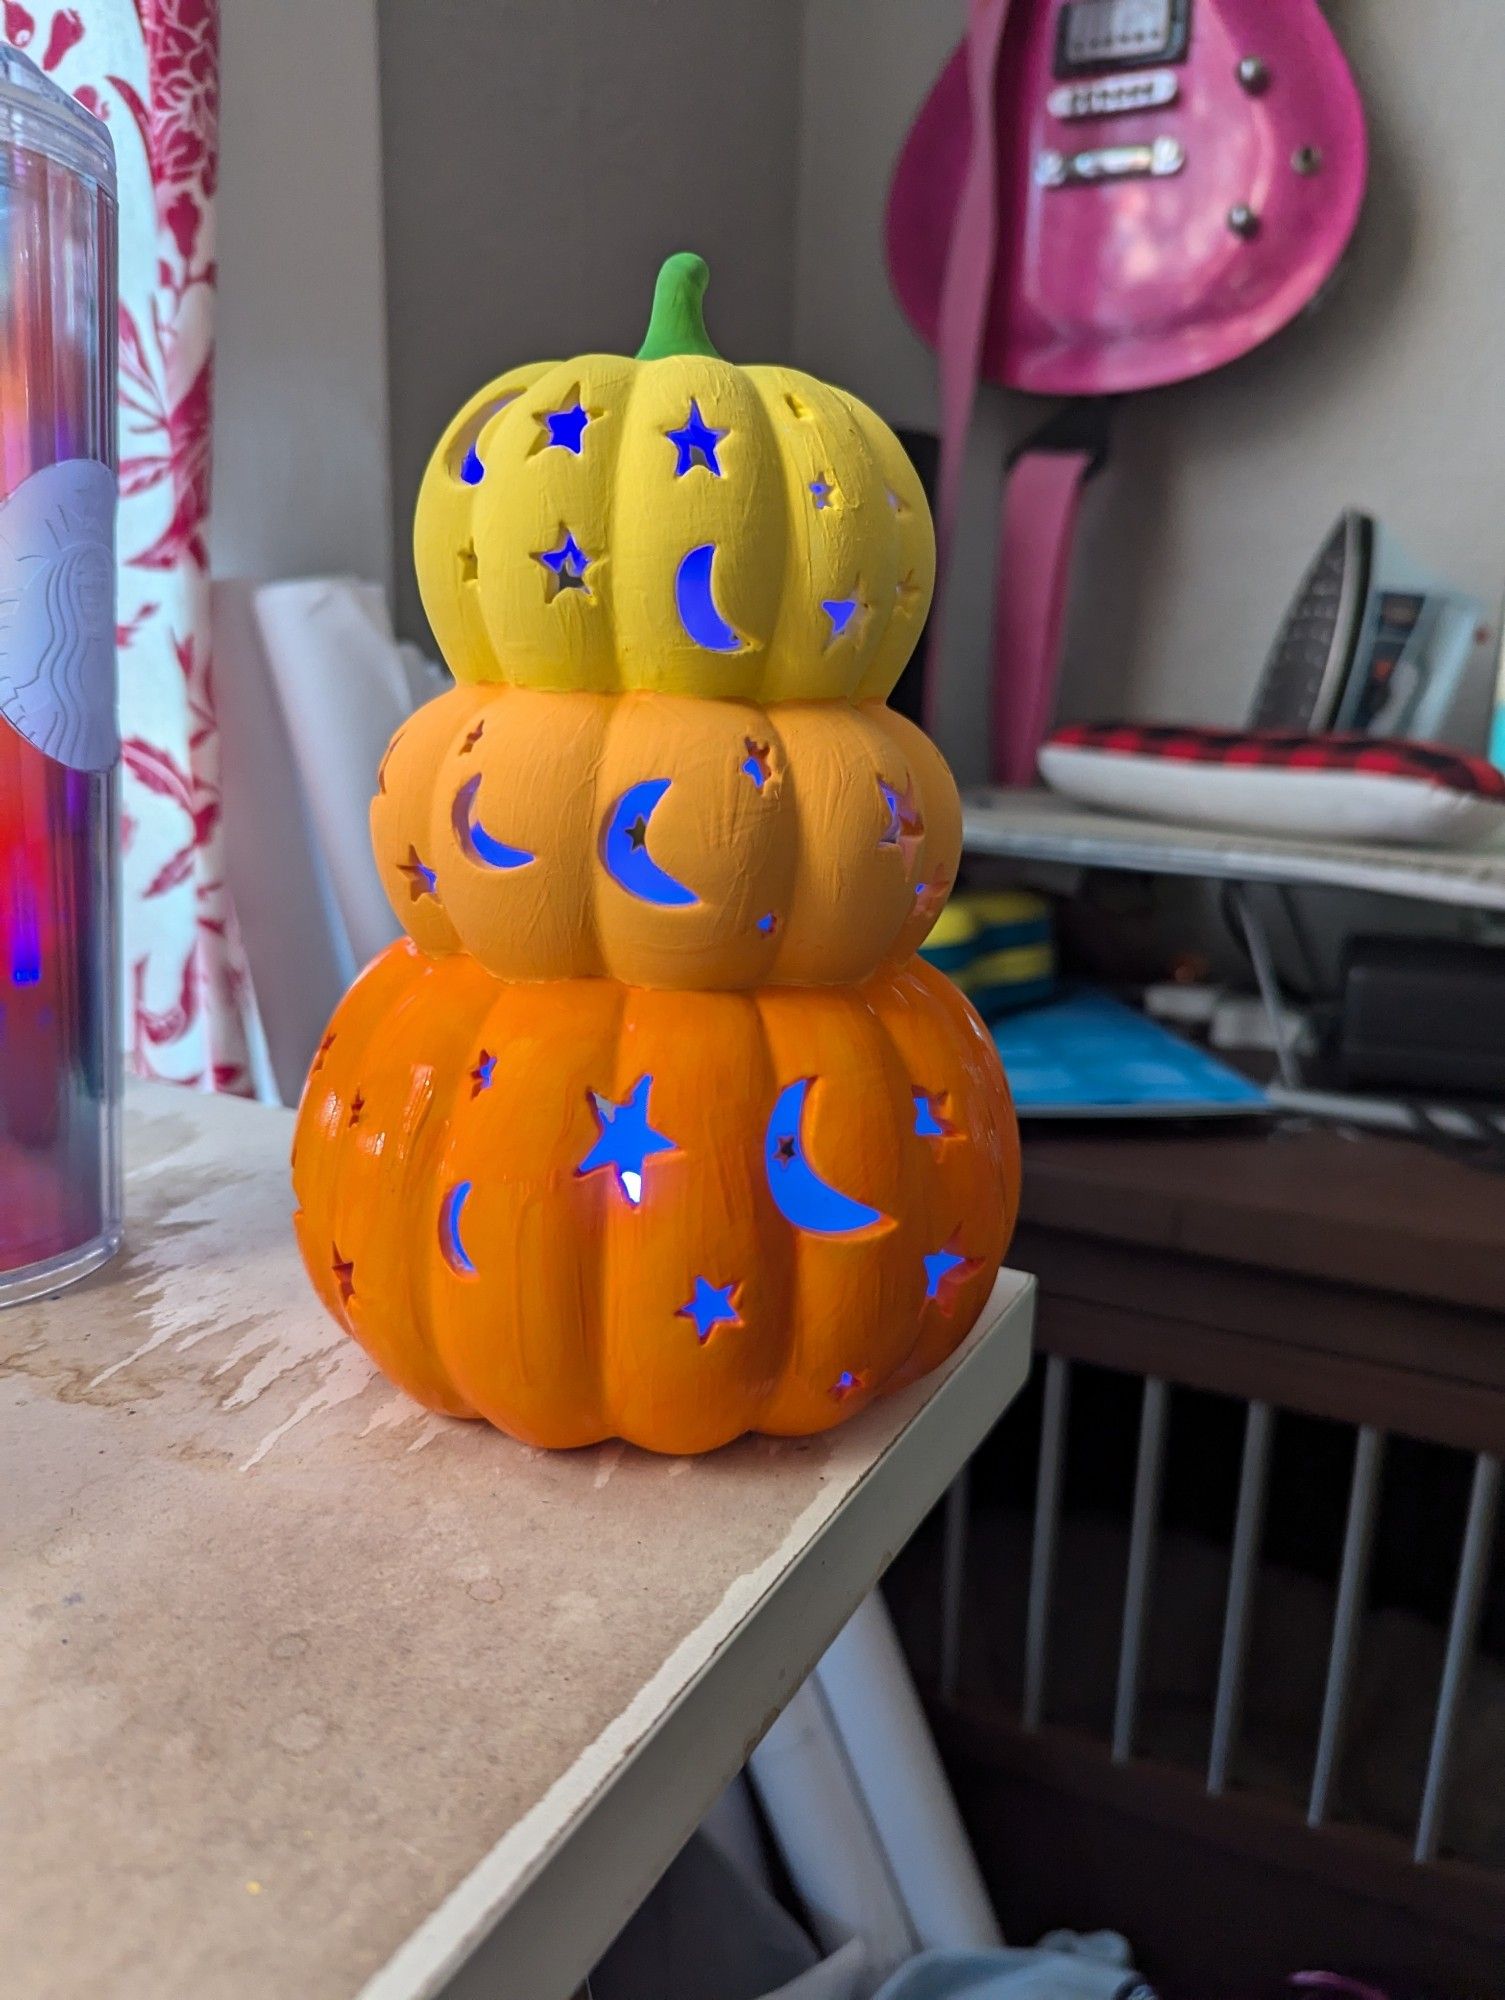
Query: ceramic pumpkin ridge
675,523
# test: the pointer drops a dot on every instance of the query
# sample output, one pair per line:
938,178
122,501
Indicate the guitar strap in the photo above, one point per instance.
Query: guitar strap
1043,485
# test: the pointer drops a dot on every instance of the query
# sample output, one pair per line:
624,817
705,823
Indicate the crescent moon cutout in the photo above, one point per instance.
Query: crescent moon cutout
450,1241
696,605
477,842
799,1193
624,848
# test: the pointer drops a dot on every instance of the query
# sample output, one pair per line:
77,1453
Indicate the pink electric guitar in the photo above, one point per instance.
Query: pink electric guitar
1100,196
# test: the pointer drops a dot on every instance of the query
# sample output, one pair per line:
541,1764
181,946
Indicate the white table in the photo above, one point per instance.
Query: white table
307,1693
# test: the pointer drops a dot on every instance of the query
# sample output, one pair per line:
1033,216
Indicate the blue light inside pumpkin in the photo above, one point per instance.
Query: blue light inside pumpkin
567,427
799,1193
822,491
695,442
841,611
710,1306
477,842
937,1265
626,1141
471,469
624,848
756,772
926,1124
450,1242
696,604
768,924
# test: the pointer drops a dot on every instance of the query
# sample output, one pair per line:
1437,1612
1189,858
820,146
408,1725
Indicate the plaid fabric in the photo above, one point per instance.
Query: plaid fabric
1282,749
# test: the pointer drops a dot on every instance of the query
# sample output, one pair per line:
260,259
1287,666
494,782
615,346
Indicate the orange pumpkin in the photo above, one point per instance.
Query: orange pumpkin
584,1210
665,840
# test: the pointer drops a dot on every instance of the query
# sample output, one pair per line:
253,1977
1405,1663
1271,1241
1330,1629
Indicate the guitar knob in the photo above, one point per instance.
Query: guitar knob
1243,221
1253,73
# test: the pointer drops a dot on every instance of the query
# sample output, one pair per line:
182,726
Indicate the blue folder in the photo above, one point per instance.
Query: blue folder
1088,1055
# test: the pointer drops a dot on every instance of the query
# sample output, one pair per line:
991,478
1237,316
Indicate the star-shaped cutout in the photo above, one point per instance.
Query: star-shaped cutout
421,878
319,1054
710,1306
906,590
768,923
564,567
472,739
755,764
480,1076
843,613
626,1140
470,567
566,427
847,1384
945,1270
696,442
784,1152
823,492
637,833
357,1106
906,824
930,1121
344,1275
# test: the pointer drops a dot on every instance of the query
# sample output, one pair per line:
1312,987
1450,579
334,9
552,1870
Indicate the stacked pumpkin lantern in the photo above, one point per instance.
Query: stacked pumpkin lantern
653,1126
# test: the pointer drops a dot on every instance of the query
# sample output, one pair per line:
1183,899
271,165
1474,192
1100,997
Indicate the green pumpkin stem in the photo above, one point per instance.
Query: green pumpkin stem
676,325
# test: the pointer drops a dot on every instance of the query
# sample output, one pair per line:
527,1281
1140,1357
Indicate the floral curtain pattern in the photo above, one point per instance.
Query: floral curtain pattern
150,68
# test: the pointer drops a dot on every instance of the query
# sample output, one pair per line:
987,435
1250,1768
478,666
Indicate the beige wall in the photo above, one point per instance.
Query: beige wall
1387,397
301,477
543,156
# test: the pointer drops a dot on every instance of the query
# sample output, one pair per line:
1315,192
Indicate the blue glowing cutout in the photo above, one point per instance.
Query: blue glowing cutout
421,878
926,1121
626,1140
938,1267
799,1193
476,841
755,764
845,1383
565,428
696,603
695,441
841,611
768,924
481,1075
710,1306
471,469
624,848
822,490
450,1241
565,566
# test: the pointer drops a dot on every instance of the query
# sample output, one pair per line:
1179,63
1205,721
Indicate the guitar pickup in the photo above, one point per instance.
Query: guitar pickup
1109,163
1114,96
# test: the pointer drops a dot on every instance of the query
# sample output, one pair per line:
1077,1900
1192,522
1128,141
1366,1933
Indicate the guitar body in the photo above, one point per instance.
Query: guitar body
1159,209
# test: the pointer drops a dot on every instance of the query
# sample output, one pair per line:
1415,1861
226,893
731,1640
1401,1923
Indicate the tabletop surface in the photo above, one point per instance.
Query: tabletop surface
304,1687
1037,825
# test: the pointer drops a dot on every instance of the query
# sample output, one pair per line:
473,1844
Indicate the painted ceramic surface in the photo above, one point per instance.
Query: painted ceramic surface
675,523
584,1210
665,841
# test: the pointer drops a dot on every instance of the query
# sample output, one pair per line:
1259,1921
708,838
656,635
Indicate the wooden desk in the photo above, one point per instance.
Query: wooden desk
308,1693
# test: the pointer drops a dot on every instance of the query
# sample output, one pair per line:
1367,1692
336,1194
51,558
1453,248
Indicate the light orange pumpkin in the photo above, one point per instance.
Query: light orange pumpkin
584,1210
665,840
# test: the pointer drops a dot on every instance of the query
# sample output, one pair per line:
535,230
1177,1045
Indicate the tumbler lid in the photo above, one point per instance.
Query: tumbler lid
40,117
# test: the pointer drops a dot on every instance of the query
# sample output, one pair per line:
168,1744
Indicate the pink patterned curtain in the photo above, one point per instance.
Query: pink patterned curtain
150,68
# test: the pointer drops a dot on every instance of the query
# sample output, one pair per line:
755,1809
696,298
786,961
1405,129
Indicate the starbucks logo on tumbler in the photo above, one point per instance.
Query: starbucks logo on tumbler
57,613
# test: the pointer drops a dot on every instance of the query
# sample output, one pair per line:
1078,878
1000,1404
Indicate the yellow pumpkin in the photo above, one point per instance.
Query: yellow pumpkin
665,841
676,523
